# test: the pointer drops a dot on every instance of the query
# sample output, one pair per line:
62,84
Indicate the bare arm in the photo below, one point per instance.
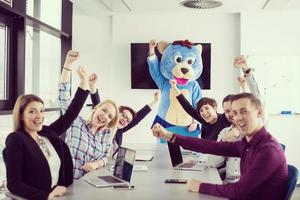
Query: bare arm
152,45
92,83
71,57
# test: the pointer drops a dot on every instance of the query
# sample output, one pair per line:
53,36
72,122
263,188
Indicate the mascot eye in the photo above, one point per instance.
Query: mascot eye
191,61
177,59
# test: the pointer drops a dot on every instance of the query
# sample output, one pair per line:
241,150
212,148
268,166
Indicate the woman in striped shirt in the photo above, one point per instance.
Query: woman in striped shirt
89,140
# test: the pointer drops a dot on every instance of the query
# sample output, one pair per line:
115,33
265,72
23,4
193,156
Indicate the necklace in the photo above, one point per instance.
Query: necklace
43,146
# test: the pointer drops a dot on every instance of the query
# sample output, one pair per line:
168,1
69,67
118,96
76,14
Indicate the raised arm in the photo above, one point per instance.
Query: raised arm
227,149
185,103
95,97
252,84
243,84
247,82
152,45
72,111
142,113
65,79
71,57
154,65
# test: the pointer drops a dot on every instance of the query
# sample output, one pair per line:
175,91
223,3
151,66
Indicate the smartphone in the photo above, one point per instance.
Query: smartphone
175,180
125,187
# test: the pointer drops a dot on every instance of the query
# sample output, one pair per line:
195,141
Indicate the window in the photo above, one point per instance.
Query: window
34,36
3,58
5,64
9,2
48,11
42,67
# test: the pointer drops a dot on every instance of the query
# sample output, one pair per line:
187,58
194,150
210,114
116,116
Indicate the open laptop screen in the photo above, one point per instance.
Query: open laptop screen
124,164
175,154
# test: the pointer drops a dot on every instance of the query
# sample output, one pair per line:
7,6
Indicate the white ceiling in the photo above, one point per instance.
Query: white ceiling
141,6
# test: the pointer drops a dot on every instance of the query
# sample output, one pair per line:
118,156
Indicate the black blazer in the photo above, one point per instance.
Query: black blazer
27,169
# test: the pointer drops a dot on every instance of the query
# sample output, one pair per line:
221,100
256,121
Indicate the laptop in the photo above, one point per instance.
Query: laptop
177,161
122,170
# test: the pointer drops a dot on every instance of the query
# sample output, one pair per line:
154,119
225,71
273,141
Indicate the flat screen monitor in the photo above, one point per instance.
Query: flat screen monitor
140,76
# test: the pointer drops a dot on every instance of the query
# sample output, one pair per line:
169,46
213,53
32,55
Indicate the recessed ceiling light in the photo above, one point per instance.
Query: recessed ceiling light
201,4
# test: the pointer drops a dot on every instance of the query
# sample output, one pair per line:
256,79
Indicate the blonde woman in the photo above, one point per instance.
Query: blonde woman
38,163
89,141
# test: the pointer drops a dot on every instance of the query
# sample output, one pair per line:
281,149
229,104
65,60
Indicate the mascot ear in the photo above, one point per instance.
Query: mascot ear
199,47
162,45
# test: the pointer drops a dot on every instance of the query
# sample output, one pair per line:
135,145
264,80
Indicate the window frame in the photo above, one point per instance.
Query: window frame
7,21
19,20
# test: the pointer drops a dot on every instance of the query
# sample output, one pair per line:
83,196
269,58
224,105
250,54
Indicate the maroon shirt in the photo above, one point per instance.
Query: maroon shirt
264,171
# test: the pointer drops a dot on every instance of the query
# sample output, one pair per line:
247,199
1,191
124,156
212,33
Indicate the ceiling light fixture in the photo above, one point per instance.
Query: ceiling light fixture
201,4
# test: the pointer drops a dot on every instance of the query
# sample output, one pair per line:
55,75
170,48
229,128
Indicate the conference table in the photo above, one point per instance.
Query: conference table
148,184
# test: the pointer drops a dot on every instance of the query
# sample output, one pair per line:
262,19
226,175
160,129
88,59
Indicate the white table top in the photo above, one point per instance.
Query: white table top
148,184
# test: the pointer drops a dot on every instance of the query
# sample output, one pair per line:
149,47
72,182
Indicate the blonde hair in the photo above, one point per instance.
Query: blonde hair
19,108
114,122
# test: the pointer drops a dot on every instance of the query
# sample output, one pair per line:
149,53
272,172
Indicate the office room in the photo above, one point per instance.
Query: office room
39,33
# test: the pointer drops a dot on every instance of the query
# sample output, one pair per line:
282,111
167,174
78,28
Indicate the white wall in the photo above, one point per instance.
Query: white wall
107,52
275,33
92,38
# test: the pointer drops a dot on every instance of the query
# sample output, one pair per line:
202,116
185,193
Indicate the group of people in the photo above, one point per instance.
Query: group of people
40,165
255,164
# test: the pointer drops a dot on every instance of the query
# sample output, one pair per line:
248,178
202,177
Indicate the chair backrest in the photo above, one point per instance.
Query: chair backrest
4,155
283,146
293,178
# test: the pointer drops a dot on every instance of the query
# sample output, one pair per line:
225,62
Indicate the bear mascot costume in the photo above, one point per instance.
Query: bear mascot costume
182,62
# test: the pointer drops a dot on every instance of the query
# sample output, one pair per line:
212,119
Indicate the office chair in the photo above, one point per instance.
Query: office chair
283,146
292,182
4,155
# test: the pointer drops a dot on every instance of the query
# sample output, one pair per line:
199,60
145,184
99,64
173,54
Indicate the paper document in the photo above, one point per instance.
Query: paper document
135,168
140,168
148,157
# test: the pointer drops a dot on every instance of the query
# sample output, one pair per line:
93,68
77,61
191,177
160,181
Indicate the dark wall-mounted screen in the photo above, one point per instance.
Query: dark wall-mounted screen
140,76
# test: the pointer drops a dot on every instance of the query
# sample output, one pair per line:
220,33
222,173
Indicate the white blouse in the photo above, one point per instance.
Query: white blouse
51,156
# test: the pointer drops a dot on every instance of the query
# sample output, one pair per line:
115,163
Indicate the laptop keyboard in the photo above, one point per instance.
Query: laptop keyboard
110,179
187,165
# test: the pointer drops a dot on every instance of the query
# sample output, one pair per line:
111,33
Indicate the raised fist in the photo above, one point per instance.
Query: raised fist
82,73
152,44
241,62
71,57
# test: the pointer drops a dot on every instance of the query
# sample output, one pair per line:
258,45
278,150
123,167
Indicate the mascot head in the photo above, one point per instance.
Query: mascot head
181,61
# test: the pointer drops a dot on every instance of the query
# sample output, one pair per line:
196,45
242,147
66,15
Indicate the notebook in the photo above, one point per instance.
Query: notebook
122,170
177,161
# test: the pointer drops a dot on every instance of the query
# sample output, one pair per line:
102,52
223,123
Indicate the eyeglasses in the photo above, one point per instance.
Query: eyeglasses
125,117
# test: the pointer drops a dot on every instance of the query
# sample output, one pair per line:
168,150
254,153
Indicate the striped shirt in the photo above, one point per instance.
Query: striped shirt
83,144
